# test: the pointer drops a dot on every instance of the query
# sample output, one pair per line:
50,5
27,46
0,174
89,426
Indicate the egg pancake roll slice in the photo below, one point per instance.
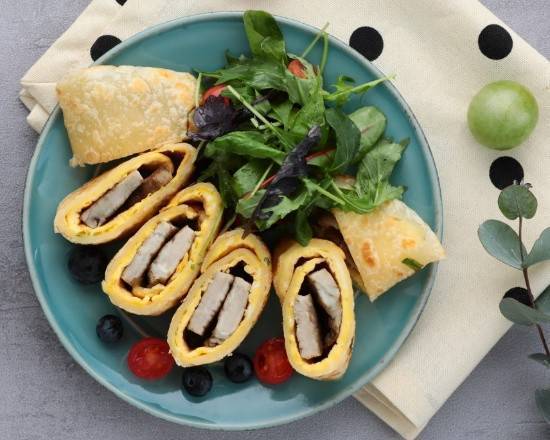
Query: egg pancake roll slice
156,266
120,200
224,303
316,294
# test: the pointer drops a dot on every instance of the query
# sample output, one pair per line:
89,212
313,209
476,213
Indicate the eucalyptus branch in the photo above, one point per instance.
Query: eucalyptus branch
525,271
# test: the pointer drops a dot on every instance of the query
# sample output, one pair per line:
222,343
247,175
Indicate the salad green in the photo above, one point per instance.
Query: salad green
276,143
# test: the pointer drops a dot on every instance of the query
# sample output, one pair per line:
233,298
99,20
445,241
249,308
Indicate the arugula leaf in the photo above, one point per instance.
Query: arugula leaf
246,205
300,89
287,179
302,229
244,143
285,206
281,112
311,114
264,36
260,74
371,122
378,164
345,87
347,138
246,177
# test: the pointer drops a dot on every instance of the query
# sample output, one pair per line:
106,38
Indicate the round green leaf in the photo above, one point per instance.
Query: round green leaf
502,242
517,200
521,314
542,397
541,249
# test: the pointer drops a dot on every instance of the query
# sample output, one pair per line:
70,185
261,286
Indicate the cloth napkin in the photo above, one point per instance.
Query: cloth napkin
442,53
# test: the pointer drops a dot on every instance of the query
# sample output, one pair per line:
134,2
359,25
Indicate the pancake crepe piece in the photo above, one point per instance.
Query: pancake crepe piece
112,112
316,294
195,214
224,303
117,202
381,242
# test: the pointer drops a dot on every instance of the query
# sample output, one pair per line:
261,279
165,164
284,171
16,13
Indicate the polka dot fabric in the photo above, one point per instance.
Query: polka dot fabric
442,53
102,45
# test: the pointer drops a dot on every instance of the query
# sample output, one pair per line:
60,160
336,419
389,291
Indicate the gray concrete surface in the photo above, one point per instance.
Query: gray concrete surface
45,395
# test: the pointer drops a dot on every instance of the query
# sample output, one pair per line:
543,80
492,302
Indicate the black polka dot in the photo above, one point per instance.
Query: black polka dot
367,41
505,171
121,2
103,44
495,42
519,294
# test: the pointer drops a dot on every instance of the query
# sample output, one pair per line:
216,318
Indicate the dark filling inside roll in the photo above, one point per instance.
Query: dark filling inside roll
317,314
221,308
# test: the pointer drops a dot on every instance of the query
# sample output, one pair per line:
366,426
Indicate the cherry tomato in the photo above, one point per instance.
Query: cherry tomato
271,363
502,115
297,68
150,358
215,91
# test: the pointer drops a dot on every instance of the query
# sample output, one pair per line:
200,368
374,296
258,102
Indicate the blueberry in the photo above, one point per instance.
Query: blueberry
197,381
238,368
87,264
109,328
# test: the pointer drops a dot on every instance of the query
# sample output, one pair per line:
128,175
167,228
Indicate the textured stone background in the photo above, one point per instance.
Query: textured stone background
45,395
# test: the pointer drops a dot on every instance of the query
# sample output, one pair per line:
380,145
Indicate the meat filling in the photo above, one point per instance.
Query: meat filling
308,332
103,208
133,274
328,297
158,178
167,260
318,314
220,310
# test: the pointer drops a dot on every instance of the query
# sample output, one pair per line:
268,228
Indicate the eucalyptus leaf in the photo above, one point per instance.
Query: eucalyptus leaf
516,200
543,301
541,249
371,123
542,398
541,358
502,242
521,314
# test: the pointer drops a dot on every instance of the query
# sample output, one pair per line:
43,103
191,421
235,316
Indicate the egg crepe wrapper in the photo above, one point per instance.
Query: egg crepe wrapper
112,112
380,241
67,219
229,250
200,202
293,262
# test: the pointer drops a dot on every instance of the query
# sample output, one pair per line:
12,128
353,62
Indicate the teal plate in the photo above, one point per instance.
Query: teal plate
72,309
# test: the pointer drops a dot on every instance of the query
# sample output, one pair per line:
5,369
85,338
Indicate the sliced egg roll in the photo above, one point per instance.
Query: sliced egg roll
224,303
387,245
156,266
316,294
120,200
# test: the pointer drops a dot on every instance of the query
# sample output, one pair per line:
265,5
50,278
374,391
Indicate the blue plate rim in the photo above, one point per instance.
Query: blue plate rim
343,393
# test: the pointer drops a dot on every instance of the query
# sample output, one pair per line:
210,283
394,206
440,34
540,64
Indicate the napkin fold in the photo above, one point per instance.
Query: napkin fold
432,47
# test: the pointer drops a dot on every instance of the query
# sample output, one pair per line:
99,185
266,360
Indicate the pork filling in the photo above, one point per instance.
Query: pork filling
131,190
159,255
220,310
318,314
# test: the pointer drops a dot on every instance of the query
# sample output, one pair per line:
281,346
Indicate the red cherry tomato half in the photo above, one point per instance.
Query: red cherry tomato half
215,91
297,68
271,363
150,359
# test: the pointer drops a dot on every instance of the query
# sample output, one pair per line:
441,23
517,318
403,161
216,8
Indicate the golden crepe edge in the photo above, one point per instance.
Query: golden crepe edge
67,219
380,241
288,279
155,300
111,112
227,251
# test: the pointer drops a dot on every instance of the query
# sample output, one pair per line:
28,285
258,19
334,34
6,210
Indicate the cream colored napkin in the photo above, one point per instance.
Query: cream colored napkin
432,47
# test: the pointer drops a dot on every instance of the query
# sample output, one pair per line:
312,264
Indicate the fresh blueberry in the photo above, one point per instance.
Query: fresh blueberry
109,328
197,381
238,368
87,264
